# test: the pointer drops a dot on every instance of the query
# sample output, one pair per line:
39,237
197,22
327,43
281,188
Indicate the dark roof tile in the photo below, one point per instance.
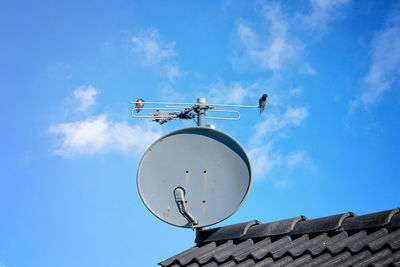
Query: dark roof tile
211,264
318,261
300,260
336,247
356,259
387,260
224,255
282,262
321,225
368,240
366,261
395,258
282,250
187,256
395,221
319,248
359,244
263,251
211,254
264,262
233,231
392,239
377,219
310,245
239,256
274,228
337,260
230,263
247,263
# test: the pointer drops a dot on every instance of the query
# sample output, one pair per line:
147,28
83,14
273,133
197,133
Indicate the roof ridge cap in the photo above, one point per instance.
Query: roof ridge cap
370,220
275,228
391,214
233,231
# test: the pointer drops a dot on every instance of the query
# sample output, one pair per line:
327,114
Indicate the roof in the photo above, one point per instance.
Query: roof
338,240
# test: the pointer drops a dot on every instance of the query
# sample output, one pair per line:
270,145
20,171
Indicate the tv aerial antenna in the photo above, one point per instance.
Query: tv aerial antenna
163,112
197,176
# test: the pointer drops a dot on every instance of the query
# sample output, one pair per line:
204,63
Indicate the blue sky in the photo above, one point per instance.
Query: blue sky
327,143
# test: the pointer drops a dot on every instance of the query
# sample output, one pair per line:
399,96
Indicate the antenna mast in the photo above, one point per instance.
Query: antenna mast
201,114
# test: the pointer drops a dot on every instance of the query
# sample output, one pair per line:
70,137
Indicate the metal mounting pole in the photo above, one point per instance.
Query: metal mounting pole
201,121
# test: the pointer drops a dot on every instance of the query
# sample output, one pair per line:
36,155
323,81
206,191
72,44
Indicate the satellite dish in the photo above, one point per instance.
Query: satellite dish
194,177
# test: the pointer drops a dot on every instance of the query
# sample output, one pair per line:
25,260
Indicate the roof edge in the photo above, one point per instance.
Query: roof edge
301,225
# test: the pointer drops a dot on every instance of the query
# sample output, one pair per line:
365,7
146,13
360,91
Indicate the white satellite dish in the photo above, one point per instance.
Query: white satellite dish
194,177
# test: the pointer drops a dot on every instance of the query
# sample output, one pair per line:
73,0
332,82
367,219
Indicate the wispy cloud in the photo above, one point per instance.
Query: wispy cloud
322,12
292,117
280,41
84,97
155,52
173,71
299,159
151,49
98,134
268,53
295,91
267,161
307,69
233,93
263,160
384,70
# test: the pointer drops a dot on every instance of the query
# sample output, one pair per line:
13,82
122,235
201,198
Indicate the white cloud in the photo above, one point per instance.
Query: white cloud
277,44
247,36
299,159
99,134
322,13
296,158
270,163
154,52
271,52
173,71
85,97
273,123
295,91
263,160
384,70
282,183
151,49
307,69
266,163
234,93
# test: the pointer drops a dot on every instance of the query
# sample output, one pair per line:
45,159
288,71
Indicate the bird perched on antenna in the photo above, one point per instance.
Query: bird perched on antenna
262,102
139,105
